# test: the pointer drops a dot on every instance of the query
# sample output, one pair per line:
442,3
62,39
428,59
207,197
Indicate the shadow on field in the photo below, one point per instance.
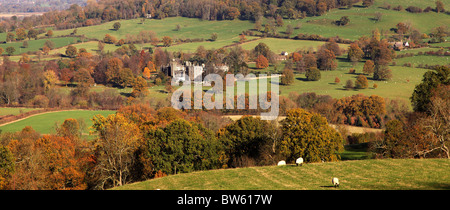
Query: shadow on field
437,185
329,186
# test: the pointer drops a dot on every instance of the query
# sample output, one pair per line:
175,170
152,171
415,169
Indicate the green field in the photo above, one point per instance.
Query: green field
362,23
228,31
14,110
36,45
424,59
288,45
385,174
44,123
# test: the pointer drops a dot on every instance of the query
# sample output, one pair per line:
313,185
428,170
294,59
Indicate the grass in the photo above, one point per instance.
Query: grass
401,86
356,152
362,23
228,31
44,123
424,59
14,110
288,45
385,174
35,45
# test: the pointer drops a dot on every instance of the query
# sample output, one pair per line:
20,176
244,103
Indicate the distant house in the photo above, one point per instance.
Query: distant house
280,57
284,53
398,46
175,70
148,16
189,71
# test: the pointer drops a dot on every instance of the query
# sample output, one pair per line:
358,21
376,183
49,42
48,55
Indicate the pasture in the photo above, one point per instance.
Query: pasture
372,174
362,22
14,110
44,123
36,45
288,45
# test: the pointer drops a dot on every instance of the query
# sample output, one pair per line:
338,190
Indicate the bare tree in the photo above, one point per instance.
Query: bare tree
438,121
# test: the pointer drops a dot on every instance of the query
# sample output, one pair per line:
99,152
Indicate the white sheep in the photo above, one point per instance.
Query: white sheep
282,163
299,161
335,182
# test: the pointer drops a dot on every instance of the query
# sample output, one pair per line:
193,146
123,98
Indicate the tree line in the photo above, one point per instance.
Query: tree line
138,143
96,12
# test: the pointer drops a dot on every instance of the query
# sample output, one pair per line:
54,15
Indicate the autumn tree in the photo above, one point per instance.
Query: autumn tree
50,79
368,3
139,87
32,33
142,115
343,21
10,37
146,73
349,84
337,80
261,62
326,59
62,166
361,82
242,38
287,76
382,72
117,75
70,129
245,140
309,136
49,33
71,51
232,13
296,57
116,26
279,21
438,121
109,39
10,50
355,53
118,140
167,41
439,6
313,74
182,147
21,34
310,60
214,36
368,67
7,166
422,94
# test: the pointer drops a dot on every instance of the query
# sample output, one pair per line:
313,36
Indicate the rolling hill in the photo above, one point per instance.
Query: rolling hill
383,174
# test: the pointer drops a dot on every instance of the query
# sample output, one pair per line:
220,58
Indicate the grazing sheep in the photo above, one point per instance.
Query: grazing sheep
299,161
282,163
335,182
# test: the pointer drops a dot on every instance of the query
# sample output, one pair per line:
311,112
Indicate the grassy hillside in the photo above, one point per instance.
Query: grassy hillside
362,23
44,123
387,174
14,110
401,86
36,45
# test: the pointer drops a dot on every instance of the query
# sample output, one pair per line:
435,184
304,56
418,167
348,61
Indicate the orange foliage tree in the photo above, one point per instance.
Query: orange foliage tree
261,62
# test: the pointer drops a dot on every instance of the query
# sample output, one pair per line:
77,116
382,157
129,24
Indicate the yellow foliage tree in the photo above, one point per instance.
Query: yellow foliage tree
309,136
118,139
146,73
